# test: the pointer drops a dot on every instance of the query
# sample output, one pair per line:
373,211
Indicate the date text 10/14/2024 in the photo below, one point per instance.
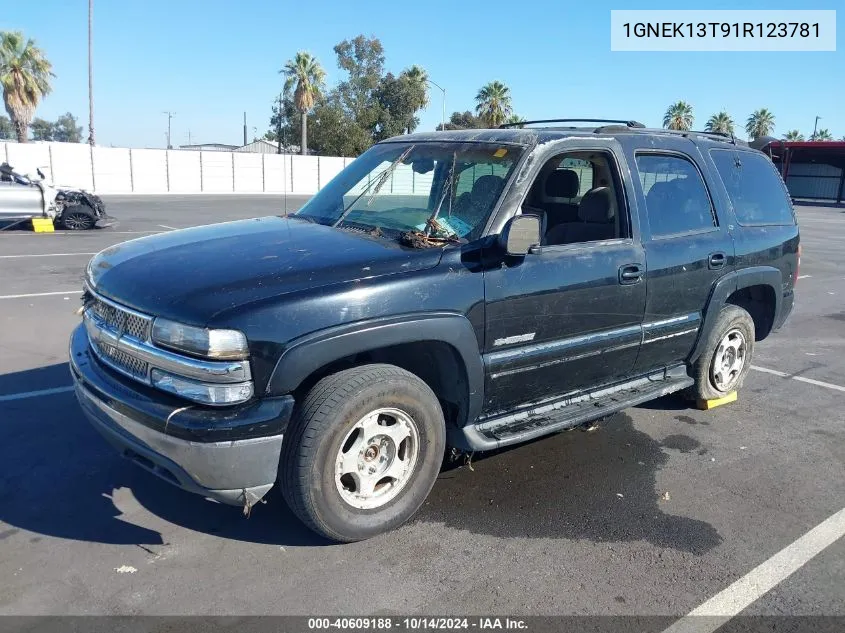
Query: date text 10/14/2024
416,624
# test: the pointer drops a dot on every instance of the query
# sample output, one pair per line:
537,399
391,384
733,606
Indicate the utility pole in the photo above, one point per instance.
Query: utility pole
169,117
815,127
189,137
90,72
245,141
279,126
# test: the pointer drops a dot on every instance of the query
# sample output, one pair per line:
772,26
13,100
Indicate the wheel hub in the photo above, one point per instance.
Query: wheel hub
728,360
377,458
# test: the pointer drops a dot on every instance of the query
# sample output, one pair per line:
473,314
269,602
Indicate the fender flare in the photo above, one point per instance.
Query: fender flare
725,287
307,354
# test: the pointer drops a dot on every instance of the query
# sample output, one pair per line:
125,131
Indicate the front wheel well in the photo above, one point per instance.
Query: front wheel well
436,363
759,301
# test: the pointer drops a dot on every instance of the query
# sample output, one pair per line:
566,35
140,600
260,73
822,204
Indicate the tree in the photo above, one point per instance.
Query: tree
42,130
398,100
678,116
419,80
493,103
720,122
25,77
363,59
7,130
824,135
793,135
760,123
66,130
515,119
305,76
463,121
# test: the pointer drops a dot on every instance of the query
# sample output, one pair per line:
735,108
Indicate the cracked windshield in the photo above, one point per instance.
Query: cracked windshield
443,190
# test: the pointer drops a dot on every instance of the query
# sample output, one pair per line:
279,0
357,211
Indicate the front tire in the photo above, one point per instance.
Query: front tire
78,218
726,359
363,452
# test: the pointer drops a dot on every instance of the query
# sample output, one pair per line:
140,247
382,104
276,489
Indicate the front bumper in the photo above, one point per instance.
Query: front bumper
228,454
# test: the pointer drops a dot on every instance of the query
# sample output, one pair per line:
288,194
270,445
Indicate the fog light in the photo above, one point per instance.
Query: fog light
203,392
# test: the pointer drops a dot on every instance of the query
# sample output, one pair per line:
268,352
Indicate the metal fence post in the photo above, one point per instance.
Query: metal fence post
202,182
93,174
233,171
131,173
167,168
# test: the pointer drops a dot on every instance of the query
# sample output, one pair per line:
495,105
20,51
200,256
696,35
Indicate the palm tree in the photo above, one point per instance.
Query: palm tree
678,116
793,135
419,77
493,103
824,135
760,123
25,76
515,119
305,76
720,122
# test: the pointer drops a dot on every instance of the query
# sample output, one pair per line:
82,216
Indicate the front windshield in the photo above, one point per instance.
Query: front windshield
398,187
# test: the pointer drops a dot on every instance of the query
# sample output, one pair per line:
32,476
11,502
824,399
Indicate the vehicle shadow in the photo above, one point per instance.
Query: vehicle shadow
598,486
61,479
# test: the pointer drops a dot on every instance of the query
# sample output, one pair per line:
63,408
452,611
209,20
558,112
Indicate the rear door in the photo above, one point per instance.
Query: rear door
688,246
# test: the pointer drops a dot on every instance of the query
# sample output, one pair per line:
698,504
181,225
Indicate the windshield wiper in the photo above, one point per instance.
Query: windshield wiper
378,182
432,223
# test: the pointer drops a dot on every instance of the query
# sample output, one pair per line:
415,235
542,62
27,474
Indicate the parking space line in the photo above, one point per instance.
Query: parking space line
34,394
809,381
775,372
75,291
44,255
818,383
804,276
734,599
172,228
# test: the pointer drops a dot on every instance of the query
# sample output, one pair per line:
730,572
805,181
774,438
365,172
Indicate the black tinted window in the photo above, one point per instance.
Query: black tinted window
754,187
676,197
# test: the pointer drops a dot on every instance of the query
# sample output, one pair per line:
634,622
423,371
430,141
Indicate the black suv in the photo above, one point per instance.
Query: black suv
470,289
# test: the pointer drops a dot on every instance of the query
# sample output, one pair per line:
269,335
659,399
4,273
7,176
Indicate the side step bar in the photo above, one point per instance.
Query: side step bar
579,408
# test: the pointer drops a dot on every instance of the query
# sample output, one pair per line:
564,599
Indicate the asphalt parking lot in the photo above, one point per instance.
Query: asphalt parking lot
654,512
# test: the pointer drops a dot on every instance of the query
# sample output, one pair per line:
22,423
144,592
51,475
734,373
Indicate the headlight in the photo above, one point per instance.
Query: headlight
200,391
218,344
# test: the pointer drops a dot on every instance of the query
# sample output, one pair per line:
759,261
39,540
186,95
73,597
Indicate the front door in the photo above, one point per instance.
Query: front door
568,317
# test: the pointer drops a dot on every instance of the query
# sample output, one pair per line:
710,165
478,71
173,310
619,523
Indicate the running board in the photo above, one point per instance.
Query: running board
564,413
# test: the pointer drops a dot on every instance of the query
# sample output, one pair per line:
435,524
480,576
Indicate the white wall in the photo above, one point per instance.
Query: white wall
120,170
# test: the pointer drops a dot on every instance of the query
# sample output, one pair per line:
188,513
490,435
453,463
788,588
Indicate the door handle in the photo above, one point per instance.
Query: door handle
716,260
630,274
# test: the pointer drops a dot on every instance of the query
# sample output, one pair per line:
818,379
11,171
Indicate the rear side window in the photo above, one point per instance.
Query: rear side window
676,197
756,191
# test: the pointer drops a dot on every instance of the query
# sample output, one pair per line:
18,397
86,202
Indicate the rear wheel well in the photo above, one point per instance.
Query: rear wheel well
759,302
437,363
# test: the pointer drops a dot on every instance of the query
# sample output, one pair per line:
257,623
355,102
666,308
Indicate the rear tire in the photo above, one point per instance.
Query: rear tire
363,452
726,359
78,218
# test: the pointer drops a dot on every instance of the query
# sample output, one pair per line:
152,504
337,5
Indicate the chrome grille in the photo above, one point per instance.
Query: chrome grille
121,320
131,365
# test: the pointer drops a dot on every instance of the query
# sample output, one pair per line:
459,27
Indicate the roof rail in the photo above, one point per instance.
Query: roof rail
633,124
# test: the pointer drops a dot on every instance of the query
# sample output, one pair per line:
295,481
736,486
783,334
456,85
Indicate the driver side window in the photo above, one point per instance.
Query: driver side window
577,196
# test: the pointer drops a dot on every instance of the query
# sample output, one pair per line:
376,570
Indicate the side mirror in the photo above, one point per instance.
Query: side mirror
521,233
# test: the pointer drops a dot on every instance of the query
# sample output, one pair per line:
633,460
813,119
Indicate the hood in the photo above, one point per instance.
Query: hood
193,274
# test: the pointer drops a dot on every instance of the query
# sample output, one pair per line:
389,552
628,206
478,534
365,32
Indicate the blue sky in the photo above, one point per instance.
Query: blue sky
210,60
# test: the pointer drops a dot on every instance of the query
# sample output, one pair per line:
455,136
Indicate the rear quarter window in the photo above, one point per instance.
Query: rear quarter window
755,188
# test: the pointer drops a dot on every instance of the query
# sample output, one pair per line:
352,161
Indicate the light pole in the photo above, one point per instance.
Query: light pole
815,127
90,73
443,115
169,116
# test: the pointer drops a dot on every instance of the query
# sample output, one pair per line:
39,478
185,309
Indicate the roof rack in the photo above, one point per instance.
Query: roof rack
632,124
720,136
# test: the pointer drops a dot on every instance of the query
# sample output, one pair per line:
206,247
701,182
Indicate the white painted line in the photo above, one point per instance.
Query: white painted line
782,374
76,291
818,383
809,381
34,394
737,597
44,255
172,228
804,276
